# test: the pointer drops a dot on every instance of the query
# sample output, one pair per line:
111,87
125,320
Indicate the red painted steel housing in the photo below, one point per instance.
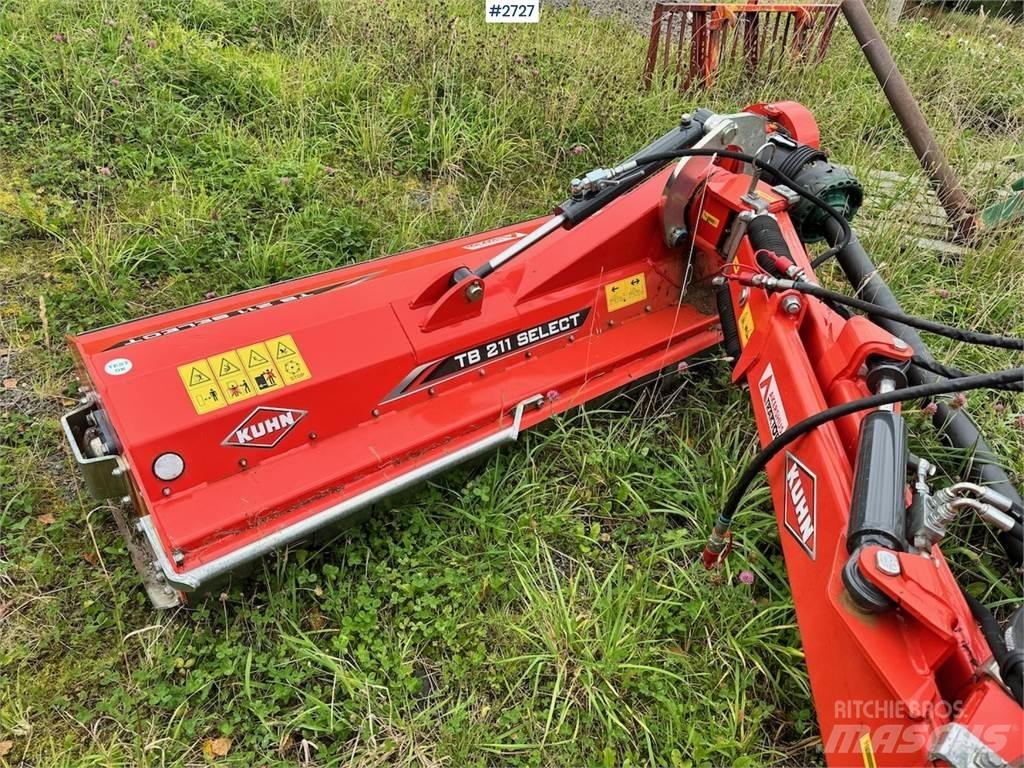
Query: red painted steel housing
551,332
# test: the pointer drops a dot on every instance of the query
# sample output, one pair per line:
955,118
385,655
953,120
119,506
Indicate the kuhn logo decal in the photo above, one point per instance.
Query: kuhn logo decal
800,510
773,408
264,427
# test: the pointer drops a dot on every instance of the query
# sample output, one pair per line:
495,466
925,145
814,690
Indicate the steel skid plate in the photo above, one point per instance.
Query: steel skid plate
246,423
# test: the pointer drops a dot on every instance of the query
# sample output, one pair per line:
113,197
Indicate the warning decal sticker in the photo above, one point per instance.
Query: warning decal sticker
288,360
233,382
239,374
746,325
201,388
622,293
260,368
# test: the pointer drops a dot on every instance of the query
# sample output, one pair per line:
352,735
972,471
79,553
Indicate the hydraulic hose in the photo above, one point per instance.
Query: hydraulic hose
877,310
1011,665
954,425
940,387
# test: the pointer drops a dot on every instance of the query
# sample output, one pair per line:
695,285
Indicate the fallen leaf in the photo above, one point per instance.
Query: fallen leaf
10,383
90,557
214,748
316,619
47,519
5,747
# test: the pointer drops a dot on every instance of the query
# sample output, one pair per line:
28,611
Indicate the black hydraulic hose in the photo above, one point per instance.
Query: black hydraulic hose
939,369
949,372
837,219
941,387
924,324
1011,668
954,425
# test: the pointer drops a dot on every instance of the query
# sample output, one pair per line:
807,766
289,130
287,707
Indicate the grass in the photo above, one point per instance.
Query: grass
539,610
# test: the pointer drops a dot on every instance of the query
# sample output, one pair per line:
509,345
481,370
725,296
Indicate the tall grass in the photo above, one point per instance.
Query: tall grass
544,609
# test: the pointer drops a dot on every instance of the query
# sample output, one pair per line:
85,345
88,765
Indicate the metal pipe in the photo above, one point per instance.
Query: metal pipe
520,245
954,425
960,211
195,578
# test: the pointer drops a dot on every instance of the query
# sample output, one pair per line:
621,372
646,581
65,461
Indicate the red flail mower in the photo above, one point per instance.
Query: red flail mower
230,429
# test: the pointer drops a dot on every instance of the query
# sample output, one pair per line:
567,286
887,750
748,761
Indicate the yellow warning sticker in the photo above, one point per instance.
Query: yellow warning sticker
288,360
628,290
239,374
710,218
201,387
261,368
235,384
746,325
867,751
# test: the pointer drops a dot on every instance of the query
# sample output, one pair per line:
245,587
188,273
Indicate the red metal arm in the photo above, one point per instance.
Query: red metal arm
887,687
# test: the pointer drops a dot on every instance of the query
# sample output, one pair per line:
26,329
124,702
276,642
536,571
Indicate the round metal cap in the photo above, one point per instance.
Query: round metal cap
168,466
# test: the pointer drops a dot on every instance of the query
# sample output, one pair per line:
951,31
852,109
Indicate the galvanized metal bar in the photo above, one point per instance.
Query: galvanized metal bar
193,579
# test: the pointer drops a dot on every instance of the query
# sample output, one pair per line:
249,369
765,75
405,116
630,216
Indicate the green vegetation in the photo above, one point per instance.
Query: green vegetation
539,610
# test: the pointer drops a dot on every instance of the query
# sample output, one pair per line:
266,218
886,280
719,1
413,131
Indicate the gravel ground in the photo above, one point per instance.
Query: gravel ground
637,11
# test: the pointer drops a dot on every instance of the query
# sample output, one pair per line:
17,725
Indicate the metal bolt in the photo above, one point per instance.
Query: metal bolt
887,562
166,491
744,295
116,472
475,291
126,500
483,371
313,435
243,463
791,305
572,337
432,391
678,235
529,355
179,556
610,322
648,308
686,119
898,342
376,412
